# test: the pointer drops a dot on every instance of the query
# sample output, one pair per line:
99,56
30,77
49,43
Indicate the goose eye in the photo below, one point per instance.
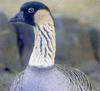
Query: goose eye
31,10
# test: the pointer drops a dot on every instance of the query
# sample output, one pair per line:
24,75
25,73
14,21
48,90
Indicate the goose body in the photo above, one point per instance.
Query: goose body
42,74
54,78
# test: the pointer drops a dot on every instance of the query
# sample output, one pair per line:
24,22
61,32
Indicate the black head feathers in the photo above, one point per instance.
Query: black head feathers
27,12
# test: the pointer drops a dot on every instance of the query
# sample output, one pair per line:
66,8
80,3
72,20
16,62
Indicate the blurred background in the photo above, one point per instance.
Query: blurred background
77,32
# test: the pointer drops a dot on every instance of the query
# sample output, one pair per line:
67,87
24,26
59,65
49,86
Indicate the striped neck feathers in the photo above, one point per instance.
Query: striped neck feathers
43,53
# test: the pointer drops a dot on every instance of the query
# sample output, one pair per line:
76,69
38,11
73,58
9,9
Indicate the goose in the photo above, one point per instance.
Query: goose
41,73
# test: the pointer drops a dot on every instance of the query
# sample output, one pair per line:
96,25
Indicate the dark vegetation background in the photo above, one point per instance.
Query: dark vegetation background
77,32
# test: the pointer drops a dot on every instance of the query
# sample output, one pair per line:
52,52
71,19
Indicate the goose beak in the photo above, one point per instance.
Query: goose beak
18,18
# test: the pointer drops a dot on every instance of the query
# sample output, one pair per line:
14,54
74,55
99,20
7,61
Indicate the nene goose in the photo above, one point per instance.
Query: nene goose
42,74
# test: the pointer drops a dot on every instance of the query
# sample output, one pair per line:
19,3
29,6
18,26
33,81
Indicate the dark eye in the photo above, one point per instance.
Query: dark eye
31,10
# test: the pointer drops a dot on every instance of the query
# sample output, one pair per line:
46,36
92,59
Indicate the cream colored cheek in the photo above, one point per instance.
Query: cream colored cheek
42,17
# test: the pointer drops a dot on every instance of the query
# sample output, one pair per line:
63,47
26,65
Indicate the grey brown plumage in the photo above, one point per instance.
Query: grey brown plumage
54,78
